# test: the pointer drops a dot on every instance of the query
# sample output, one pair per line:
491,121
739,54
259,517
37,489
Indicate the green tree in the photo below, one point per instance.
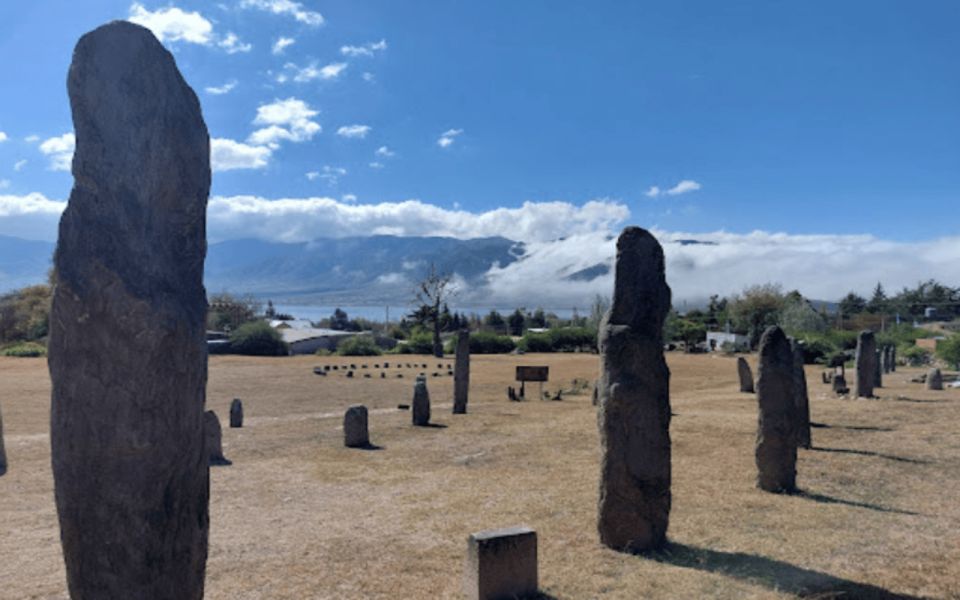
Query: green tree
430,294
755,309
515,321
257,338
878,301
495,321
852,304
949,350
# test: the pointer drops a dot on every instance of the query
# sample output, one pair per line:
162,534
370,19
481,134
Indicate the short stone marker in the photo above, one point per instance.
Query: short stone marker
461,375
236,413
355,431
213,439
801,395
746,375
776,447
127,346
421,403
349,374
634,400
501,564
934,380
3,452
866,364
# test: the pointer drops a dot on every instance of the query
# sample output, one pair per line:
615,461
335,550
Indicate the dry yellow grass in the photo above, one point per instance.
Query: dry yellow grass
299,516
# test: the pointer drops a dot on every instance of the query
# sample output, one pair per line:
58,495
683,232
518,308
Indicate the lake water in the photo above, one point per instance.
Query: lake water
379,313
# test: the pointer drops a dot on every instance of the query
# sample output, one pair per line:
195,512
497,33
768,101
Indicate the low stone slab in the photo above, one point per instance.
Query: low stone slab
934,380
355,427
236,413
501,564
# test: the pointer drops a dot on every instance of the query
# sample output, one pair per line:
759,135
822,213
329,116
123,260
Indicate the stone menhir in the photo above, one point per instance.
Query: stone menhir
3,452
127,347
885,359
776,447
355,430
461,373
878,369
746,375
866,364
634,400
934,380
501,564
893,359
213,440
421,403
236,413
801,396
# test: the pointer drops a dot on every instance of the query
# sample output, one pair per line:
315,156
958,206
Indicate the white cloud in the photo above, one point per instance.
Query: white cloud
33,138
289,119
683,187
331,175
19,165
376,165
447,137
310,72
282,44
3,137
222,89
311,175
364,50
60,151
173,24
348,198
227,155
354,131
286,7
232,44
32,217
385,152
368,77
653,192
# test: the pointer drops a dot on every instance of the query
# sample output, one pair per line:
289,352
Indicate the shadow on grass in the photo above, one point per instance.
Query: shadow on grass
369,446
773,574
917,400
913,461
831,500
434,425
851,427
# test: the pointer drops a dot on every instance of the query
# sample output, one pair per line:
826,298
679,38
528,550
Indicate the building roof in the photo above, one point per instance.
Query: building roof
291,335
291,324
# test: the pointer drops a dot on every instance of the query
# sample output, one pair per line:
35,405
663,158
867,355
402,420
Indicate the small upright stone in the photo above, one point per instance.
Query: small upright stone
934,380
885,360
421,403
501,564
127,346
746,375
878,369
355,431
776,448
801,395
3,452
634,400
893,359
212,435
866,364
236,413
461,373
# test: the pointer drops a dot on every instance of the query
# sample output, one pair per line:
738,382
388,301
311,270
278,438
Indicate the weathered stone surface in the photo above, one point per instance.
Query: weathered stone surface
934,380
866,364
893,358
3,452
801,395
840,384
501,564
885,360
421,402
461,373
236,413
213,439
127,348
776,449
355,430
634,400
878,369
746,375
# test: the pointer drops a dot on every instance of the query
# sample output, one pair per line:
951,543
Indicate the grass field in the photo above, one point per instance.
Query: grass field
299,516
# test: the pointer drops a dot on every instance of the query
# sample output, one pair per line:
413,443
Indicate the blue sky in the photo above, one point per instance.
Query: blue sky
827,118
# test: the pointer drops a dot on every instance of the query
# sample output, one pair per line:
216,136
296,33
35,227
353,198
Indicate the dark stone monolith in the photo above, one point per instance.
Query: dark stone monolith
893,359
934,380
776,448
421,403
885,360
746,375
634,400
213,439
866,364
3,452
801,396
127,347
355,430
461,373
878,369
236,413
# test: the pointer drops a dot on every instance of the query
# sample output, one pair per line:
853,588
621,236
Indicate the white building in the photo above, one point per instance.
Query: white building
716,340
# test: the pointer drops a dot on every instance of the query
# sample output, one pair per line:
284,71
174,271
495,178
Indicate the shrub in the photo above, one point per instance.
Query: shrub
359,346
420,342
916,356
257,338
568,339
25,350
490,343
536,342
949,350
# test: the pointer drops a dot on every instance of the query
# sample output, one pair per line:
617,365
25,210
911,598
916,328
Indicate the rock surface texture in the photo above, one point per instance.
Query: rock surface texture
236,413
866,363
746,375
934,380
801,395
127,348
461,373
776,447
634,400
356,433
878,369
421,403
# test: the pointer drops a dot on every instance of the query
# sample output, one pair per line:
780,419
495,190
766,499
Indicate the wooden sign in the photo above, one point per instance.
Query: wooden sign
533,373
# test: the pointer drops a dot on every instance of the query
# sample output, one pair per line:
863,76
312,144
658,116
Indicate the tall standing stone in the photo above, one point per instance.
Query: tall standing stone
3,452
236,413
776,448
866,364
934,380
213,439
885,360
893,359
461,373
801,395
746,375
634,400
127,348
356,432
421,402
878,369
